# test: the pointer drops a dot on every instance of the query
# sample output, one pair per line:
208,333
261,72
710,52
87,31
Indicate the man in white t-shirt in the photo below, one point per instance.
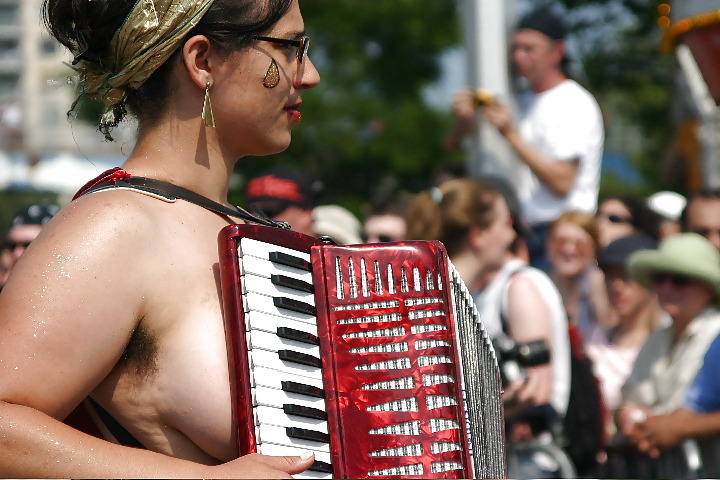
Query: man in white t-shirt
559,138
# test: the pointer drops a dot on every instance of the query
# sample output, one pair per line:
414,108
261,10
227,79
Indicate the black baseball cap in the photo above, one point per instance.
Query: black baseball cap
280,187
618,251
35,214
545,22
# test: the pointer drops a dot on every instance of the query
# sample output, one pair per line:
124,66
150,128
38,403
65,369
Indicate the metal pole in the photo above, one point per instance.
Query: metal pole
485,27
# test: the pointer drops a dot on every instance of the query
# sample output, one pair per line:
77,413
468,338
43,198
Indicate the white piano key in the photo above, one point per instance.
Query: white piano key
253,302
290,450
278,436
264,286
270,397
270,341
266,322
256,248
275,416
270,378
265,268
268,359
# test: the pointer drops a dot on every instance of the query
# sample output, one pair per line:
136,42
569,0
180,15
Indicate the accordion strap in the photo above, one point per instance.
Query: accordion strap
118,178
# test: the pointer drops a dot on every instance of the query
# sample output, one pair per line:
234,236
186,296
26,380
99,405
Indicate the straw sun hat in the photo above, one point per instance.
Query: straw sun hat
686,254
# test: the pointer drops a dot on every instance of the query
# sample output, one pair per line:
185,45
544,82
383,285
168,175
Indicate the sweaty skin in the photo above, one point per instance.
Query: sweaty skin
119,296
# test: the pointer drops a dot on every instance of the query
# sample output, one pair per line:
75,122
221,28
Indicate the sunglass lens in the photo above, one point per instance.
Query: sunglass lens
675,280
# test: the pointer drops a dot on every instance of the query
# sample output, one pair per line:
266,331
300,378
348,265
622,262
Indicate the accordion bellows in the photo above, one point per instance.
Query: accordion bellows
372,356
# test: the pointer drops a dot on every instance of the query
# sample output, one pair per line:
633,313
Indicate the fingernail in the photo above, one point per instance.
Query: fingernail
307,455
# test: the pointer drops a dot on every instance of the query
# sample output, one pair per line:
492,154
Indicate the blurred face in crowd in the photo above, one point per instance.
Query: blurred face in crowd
495,241
300,219
17,240
613,221
681,296
626,296
570,249
703,216
534,54
384,228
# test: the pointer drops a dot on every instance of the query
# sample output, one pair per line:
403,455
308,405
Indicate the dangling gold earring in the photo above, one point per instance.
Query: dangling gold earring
272,76
207,113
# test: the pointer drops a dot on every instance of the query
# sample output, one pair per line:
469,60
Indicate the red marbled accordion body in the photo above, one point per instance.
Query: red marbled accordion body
391,365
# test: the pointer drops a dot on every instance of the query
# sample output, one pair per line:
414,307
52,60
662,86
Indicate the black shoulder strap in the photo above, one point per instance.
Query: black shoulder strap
172,192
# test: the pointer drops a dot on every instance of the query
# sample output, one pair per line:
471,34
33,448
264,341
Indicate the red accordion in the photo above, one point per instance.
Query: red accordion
372,356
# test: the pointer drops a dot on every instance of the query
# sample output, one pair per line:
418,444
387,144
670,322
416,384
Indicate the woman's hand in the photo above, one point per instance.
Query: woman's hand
255,465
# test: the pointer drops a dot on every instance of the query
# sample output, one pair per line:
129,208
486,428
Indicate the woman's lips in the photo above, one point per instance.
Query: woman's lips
294,112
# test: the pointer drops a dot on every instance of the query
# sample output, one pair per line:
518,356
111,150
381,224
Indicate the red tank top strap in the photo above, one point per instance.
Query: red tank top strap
108,176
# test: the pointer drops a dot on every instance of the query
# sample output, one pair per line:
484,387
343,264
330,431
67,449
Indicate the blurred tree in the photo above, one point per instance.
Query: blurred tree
367,120
618,45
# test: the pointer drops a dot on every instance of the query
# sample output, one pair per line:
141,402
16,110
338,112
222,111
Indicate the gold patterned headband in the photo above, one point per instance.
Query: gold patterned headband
151,32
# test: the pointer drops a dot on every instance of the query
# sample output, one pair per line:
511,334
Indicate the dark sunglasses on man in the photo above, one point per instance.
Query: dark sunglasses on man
615,218
677,281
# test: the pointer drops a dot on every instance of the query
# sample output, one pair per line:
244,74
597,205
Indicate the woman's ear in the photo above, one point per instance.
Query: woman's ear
476,237
197,57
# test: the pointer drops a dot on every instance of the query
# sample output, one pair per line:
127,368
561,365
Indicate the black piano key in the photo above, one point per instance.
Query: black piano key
289,260
297,335
294,305
294,283
319,466
298,357
305,434
306,412
303,389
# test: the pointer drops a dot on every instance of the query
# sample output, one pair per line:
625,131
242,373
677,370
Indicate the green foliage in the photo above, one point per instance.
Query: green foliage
625,64
367,119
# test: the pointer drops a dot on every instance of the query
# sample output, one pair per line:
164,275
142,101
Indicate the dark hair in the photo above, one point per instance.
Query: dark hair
643,218
448,213
707,193
86,27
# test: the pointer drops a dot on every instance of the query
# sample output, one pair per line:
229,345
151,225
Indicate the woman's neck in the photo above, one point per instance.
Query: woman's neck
179,153
473,272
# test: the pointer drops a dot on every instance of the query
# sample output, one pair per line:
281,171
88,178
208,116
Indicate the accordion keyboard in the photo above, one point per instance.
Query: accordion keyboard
284,354
371,356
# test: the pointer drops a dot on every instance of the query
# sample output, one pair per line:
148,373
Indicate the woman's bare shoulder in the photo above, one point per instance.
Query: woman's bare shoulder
73,300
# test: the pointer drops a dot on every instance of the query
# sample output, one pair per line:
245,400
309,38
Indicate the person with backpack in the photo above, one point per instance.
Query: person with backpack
474,221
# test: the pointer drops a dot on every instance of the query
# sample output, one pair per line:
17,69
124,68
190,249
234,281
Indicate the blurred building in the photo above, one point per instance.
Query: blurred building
37,88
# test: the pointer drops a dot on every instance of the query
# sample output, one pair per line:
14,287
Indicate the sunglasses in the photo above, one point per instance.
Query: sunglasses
706,232
302,45
677,281
614,218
